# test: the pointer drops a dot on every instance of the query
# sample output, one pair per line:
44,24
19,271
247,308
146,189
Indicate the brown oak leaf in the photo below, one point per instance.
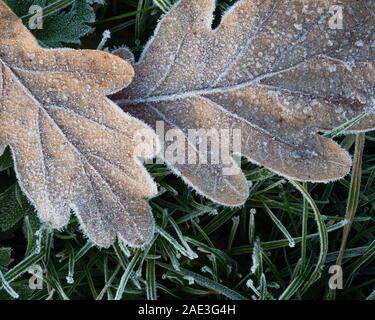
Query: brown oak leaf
73,148
281,72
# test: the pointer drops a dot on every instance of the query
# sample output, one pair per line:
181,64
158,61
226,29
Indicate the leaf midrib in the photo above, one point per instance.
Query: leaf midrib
74,148
208,91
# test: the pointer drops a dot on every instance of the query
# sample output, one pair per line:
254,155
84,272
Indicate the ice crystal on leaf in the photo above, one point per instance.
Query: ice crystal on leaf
73,148
280,71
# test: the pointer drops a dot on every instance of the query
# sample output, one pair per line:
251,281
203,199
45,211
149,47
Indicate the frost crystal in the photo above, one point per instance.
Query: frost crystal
73,148
275,70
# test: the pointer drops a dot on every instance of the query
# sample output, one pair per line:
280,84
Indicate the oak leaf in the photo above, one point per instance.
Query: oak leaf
280,71
73,148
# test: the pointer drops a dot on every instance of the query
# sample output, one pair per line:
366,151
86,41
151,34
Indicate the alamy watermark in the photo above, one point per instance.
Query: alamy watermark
36,279
36,20
195,147
336,280
336,22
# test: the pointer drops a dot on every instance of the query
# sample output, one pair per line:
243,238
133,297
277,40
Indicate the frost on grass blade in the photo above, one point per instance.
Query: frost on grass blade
280,71
73,148
74,17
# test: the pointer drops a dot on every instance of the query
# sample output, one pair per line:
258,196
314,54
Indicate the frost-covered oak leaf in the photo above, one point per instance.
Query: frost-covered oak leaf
280,71
73,148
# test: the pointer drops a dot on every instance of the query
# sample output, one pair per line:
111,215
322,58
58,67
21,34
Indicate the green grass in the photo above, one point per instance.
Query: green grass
279,245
